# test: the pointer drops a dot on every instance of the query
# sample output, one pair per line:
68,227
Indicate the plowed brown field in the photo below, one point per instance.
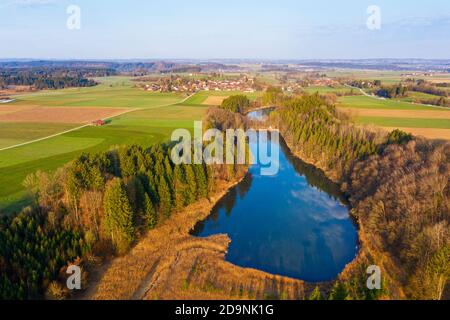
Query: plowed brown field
56,114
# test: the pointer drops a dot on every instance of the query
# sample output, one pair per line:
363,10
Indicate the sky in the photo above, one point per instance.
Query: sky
231,29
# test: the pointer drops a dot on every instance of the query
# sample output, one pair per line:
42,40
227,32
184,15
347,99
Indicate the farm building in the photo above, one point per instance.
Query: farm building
98,123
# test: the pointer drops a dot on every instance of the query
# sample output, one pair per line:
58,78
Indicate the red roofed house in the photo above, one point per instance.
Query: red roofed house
98,123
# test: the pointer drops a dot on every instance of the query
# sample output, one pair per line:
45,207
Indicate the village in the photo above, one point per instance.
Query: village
189,85
245,83
299,85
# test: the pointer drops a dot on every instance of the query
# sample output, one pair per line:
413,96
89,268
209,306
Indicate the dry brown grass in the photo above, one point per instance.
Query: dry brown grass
430,133
56,114
169,263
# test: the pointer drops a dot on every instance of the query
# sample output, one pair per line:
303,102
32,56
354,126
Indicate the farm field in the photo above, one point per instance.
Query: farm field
324,90
386,77
386,113
201,98
364,102
430,133
143,127
413,96
72,115
16,133
430,122
112,92
151,123
150,118
406,122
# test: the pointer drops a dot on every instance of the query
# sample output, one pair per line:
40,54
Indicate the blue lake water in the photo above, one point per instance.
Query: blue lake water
293,224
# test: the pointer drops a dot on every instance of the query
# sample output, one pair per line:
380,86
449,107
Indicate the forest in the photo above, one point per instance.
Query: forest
95,207
51,78
236,103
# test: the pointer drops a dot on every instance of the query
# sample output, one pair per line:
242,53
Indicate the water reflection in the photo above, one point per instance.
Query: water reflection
294,224
260,115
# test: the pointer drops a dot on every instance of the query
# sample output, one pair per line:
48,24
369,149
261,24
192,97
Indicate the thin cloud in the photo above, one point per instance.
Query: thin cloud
28,3
403,24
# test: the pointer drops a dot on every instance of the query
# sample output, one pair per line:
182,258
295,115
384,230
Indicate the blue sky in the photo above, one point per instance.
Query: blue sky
207,29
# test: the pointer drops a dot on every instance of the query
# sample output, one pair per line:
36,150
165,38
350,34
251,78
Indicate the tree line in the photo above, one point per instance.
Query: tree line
398,186
51,78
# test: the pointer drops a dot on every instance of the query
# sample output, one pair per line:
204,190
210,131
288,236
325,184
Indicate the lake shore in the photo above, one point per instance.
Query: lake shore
367,253
169,263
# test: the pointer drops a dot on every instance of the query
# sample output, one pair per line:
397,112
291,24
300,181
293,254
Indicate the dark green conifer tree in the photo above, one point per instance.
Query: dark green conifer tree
202,183
191,185
151,217
165,199
316,295
339,292
119,216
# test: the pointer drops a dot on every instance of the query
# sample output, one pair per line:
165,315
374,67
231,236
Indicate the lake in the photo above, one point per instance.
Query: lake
294,224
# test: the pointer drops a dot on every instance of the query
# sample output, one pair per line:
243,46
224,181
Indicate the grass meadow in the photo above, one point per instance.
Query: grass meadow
364,102
422,120
324,90
405,122
16,133
116,92
157,115
154,121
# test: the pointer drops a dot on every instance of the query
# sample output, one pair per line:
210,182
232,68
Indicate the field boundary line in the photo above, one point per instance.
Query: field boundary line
88,124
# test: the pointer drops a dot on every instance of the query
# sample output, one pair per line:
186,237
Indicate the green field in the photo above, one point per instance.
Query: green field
117,92
144,127
324,90
413,96
405,116
386,77
199,98
153,123
364,102
16,133
405,122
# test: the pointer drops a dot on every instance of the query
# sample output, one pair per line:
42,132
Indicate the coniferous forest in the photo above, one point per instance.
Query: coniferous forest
97,205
